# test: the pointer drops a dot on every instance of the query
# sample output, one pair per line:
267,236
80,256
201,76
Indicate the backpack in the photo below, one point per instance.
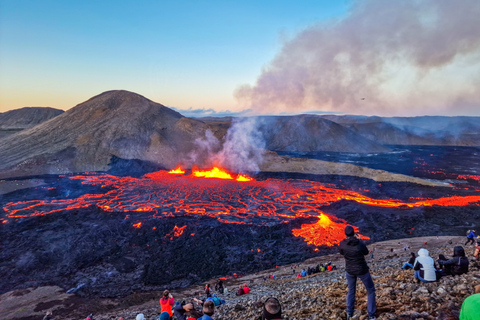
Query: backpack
468,232
216,301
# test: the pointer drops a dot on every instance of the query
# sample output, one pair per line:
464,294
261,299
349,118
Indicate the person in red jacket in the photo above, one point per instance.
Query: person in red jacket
246,289
166,302
272,310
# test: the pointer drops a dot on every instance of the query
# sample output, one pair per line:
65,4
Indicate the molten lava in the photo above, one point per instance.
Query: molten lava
213,173
267,202
177,170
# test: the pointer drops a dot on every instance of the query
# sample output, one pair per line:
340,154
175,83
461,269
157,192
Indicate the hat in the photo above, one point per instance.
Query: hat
140,316
272,308
349,231
164,316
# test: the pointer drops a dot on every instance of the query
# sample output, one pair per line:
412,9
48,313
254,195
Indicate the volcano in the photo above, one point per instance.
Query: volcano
114,123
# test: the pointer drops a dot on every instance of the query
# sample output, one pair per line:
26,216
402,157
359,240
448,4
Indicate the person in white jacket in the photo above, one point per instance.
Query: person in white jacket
424,267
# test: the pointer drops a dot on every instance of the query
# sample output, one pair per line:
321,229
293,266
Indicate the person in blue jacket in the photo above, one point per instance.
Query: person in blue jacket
470,237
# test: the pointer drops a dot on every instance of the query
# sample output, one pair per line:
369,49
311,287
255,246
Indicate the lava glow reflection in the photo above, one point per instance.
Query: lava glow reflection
267,202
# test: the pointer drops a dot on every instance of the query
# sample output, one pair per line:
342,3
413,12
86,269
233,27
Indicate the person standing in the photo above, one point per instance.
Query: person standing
167,302
470,237
354,251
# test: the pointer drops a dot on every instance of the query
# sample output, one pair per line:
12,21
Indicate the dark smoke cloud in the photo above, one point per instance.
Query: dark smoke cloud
386,57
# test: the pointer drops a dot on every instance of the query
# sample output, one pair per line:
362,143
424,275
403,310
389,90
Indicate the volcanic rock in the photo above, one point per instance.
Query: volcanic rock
317,296
16,120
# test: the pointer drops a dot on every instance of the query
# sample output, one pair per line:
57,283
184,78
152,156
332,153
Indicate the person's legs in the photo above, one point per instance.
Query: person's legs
371,303
352,287
406,264
419,277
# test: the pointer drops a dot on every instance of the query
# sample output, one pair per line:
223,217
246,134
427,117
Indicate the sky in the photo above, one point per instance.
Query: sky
373,57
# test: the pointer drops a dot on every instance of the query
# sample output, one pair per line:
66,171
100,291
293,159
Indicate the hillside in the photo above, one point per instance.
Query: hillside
426,130
318,296
16,120
114,123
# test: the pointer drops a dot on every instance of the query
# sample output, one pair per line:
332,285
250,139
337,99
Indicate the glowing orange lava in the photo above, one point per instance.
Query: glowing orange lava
176,232
213,173
266,202
331,233
137,225
177,170
242,177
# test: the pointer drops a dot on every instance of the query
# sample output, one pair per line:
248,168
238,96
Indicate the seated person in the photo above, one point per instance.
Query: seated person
272,310
411,261
424,267
240,291
246,289
457,265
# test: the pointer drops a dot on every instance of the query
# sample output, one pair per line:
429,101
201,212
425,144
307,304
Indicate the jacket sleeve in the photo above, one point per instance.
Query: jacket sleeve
340,249
364,248
178,307
447,262
417,265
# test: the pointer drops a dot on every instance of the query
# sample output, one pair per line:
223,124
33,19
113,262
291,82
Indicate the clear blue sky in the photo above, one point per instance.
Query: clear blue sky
179,53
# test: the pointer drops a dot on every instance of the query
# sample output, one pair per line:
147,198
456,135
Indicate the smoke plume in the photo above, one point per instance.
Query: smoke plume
241,151
409,57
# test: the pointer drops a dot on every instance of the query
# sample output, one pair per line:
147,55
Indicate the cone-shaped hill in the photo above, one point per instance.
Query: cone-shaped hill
84,138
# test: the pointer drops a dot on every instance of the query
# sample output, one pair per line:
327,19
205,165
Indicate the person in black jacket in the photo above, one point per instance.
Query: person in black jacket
354,251
411,261
457,265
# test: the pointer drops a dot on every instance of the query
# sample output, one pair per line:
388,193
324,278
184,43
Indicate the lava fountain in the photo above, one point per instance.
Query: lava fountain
224,196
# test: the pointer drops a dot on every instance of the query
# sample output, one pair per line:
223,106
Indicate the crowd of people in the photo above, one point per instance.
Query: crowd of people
354,250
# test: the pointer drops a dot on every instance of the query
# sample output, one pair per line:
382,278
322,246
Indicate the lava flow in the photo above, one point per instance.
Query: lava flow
229,200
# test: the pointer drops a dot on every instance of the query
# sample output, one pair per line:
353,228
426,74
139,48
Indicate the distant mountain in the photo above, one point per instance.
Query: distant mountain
426,130
19,119
311,133
85,138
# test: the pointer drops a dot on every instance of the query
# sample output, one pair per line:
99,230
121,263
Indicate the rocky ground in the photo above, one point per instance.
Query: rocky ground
319,296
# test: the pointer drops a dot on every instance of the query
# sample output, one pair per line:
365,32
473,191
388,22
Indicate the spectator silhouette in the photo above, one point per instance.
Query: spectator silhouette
424,267
457,265
411,261
354,251
166,302
272,310
208,310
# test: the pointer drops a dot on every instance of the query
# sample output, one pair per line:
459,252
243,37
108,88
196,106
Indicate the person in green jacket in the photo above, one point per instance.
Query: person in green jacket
470,308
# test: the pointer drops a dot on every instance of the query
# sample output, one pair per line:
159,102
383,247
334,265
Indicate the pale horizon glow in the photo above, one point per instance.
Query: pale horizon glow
228,57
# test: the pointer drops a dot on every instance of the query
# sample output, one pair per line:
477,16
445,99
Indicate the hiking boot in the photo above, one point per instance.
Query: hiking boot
372,317
349,316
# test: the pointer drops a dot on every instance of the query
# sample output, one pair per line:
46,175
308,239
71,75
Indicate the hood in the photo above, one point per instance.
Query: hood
352,241
458,251
140,316
423,253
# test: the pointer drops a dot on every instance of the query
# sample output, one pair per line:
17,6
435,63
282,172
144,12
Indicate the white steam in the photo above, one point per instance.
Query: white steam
242,149
408,57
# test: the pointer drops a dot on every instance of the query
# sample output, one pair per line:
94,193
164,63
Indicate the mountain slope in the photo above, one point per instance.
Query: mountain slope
19,119
426,130
114,123
310,133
